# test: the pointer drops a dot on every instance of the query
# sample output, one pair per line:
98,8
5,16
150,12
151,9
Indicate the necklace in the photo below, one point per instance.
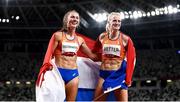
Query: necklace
69,37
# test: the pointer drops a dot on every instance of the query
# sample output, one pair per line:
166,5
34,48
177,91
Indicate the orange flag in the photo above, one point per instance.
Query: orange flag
131,58
46,63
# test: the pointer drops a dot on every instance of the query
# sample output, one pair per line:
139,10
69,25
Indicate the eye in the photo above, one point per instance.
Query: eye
114,20
117,21
72,16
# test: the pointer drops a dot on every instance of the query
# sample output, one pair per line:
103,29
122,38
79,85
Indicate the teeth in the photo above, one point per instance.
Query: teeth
74,23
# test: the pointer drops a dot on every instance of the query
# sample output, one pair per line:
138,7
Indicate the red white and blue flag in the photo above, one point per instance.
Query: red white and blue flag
50,85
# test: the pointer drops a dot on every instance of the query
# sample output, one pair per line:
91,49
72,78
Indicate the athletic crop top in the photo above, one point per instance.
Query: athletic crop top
112,48
67,47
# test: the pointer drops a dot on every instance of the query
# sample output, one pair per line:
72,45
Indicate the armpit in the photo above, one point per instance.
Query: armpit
125,39
80,40
58,35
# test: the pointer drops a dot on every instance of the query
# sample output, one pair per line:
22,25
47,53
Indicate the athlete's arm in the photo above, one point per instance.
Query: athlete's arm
57,38
85,49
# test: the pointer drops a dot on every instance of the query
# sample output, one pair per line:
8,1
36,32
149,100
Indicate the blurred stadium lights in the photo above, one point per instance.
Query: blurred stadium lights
8,82
169,81
18,82
3,20
178,51
100,17
6,20
28,82
17,17
148,14
148,81
12,17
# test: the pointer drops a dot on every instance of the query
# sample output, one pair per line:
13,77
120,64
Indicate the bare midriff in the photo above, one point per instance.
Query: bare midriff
67,62
111,64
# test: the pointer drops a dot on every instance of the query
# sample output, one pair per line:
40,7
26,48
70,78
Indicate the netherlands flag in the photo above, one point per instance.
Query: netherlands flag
50,85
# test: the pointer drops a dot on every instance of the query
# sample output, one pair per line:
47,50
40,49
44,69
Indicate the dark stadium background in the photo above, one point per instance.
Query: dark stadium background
27,25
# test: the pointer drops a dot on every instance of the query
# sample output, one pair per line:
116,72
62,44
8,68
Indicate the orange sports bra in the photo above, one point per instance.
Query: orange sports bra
67,47
112,48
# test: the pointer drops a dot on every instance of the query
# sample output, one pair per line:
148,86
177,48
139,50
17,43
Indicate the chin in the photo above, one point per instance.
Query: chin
73,26
116,29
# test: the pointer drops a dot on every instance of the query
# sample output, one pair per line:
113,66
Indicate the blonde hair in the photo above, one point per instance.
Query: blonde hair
65,20
109,19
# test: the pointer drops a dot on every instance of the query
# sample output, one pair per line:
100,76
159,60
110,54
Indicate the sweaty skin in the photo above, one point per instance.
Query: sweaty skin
64,61
114,63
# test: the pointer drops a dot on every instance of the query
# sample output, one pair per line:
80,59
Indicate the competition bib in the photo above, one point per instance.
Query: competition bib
69,47
111,50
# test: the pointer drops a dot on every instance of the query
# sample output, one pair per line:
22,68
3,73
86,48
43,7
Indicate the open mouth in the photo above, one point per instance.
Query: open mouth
74,22
116,25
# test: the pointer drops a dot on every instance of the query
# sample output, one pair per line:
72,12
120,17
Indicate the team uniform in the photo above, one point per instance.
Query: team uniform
68,48
54,80
112,51
65,47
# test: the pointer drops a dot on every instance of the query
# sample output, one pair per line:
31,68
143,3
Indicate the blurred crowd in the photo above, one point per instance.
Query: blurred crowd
169,93
19,68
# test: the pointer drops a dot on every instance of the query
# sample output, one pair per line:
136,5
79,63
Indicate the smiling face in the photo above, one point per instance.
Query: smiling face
73,20
115,22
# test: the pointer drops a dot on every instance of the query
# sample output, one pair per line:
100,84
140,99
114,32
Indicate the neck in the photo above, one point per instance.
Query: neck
114,34
71,32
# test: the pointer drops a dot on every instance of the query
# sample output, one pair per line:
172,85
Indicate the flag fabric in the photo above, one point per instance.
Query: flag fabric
52,88
50,85
121,78
116,79
131,60
46,63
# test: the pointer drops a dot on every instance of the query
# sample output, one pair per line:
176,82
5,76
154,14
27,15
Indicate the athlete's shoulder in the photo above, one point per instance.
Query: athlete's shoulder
125,37
58,35
80,39
102,35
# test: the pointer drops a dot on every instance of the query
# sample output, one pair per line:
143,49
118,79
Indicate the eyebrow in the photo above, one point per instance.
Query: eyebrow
74,16
117,20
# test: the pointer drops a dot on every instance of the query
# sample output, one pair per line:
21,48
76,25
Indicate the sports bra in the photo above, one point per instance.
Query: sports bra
67,47
112,48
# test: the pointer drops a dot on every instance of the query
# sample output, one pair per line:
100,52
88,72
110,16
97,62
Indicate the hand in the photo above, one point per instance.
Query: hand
128,84
44,68
49,68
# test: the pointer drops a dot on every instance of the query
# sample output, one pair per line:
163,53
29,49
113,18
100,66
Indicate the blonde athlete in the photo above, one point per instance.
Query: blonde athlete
115,72
64,45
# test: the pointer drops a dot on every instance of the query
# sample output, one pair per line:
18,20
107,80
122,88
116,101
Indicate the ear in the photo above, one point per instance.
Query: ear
108,22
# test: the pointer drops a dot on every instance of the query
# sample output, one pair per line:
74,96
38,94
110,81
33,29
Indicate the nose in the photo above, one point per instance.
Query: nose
118,21
76,18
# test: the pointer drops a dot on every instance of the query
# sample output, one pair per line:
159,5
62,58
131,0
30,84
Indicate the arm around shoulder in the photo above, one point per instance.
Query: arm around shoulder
85,49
